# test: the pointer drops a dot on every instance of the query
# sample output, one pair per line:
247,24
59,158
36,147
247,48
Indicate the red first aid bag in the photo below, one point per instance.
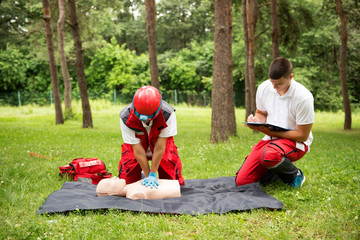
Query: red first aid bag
91,170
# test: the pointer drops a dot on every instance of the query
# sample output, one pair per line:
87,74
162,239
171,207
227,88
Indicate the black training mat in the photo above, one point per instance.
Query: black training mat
198,196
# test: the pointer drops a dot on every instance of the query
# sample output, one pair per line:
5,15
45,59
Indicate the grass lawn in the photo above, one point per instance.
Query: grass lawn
326,207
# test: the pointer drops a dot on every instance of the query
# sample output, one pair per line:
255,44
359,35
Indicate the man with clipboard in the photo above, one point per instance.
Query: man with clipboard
285,114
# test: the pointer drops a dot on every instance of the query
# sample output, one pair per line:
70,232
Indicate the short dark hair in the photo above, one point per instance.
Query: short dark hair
280,67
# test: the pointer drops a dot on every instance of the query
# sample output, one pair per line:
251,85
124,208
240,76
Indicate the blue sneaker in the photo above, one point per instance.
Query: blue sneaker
299,180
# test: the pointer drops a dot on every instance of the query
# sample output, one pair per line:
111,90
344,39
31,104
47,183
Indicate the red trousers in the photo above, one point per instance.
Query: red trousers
170,165
266,155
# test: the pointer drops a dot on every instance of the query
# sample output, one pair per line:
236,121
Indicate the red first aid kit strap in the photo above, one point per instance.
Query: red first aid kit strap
90,163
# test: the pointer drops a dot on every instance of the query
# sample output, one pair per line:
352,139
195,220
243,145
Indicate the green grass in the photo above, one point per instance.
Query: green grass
326,207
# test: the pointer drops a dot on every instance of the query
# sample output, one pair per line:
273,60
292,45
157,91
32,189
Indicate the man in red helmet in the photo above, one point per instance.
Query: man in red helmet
148,125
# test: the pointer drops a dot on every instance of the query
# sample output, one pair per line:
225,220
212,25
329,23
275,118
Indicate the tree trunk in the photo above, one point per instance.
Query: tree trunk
275,34
342,66
251,18
151,34
59,119
79,64
223,123
230,87
246,42
64,68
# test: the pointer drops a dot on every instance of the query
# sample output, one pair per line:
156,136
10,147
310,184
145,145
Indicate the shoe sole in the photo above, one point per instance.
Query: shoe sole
302,182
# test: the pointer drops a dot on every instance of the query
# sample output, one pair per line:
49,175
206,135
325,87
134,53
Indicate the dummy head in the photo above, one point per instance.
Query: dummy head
111,187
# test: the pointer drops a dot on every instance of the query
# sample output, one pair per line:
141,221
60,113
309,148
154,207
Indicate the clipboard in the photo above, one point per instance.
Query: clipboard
269,126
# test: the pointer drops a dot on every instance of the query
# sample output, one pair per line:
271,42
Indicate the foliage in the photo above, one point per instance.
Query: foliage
182,74
15,17
98,22
188,69
38,77
177,24
318,69
131,21
118,68
180,22
331,190
12,68
21,71
141,72
309,37
295,17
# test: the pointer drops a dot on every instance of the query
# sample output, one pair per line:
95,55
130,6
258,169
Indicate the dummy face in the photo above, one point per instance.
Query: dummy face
282,84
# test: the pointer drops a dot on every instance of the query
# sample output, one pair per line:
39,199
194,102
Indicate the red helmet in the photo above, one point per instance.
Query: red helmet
147,103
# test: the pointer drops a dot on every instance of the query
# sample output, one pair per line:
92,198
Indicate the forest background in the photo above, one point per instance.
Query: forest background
116,58
116,53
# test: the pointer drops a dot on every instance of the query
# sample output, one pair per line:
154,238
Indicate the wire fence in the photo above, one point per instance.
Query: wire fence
191,98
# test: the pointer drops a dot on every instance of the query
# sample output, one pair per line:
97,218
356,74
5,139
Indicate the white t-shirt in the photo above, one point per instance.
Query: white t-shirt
129,135
295,107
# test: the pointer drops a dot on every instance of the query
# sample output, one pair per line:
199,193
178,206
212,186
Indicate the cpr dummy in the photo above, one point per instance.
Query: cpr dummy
118,187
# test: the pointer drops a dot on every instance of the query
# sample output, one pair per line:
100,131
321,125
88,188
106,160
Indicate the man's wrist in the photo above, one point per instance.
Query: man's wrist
152,174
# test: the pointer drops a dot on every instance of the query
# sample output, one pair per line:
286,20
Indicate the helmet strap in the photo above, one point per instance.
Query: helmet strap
145,118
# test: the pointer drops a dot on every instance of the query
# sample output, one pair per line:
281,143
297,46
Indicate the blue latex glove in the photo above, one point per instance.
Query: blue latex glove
151,181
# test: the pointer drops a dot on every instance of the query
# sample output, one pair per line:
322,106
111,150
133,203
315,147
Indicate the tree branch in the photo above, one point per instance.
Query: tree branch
264,4
262,32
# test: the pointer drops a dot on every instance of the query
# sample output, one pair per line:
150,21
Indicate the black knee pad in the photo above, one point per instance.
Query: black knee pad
286,170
